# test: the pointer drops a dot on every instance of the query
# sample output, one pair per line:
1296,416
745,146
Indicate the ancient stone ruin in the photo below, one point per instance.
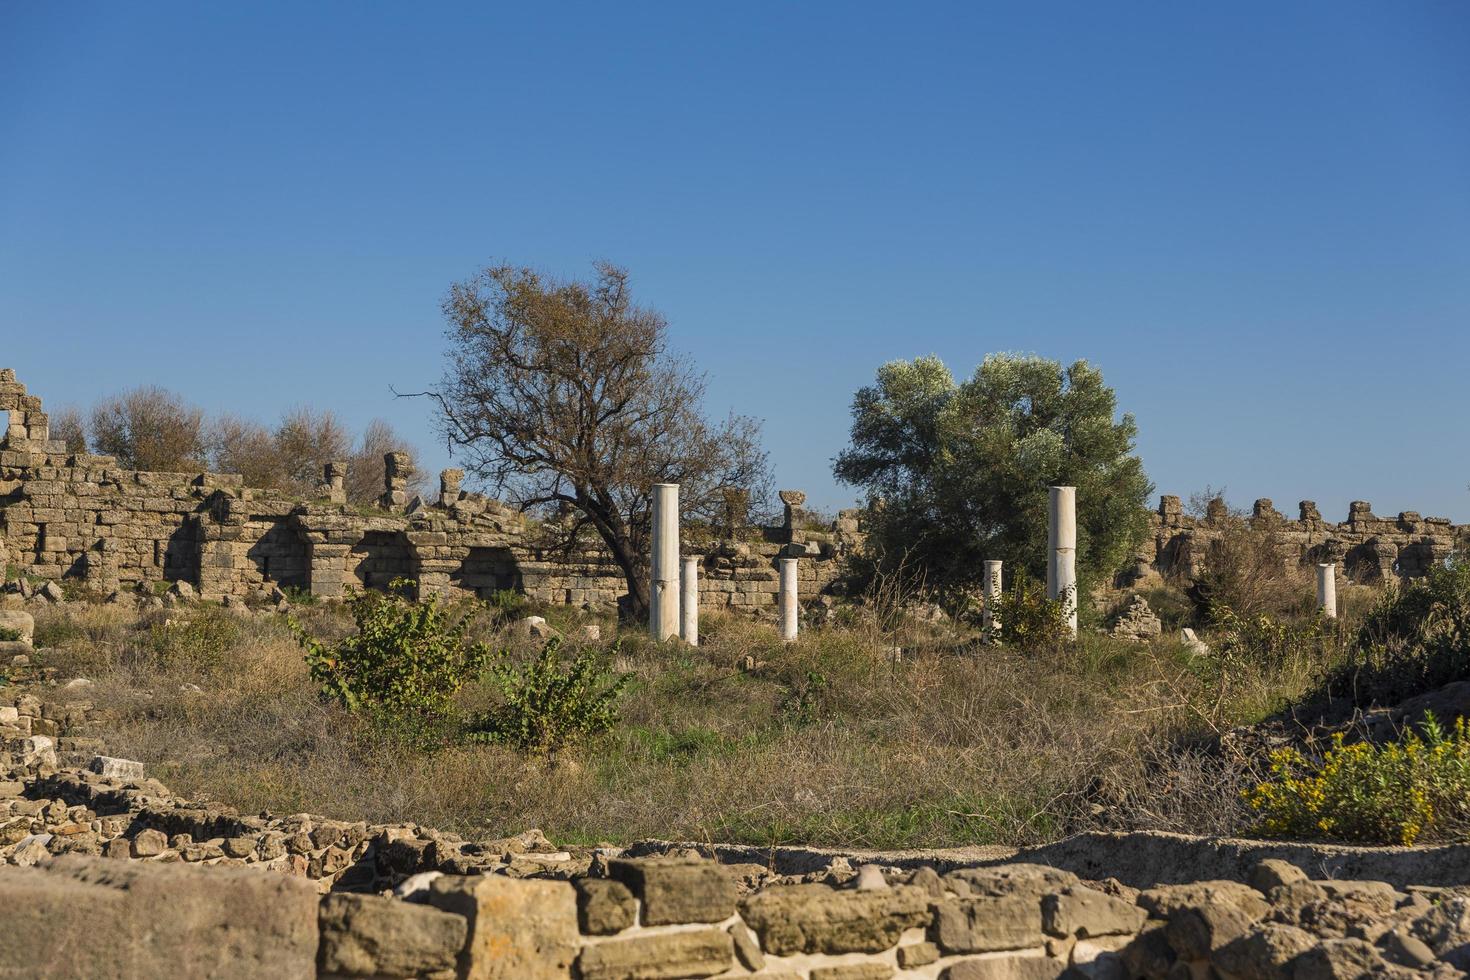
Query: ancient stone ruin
1368,548
80,517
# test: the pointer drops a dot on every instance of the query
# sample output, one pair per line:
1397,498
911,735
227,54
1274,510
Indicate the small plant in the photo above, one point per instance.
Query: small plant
508,604
407,657
1028,619
1400,793
548,706
803,703
8,635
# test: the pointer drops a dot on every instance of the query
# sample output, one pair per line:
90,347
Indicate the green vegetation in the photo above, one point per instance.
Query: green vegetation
547,707
405,658
1028,618
1415,638
963,468
1416,789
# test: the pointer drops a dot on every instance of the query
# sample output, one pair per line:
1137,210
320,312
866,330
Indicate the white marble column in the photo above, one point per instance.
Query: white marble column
1061,560
1327,589
663,596
788,599
689,601
990,589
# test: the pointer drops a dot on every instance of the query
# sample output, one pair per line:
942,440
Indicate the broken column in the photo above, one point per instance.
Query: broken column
334,481
1061,560
663,598
792,499
689,601
397,470
449,483
788,599
990,590
1327,589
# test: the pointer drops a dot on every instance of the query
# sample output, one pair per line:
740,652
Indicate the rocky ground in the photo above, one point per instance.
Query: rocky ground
404,900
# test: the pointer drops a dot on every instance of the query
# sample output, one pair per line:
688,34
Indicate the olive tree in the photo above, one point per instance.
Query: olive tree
962,469
564,396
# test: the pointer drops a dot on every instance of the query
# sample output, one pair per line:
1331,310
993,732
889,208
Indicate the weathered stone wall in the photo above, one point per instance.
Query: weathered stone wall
1368,547
79,517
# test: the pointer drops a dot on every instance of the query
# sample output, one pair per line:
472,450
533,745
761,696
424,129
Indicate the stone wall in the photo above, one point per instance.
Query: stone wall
1369,548
78,517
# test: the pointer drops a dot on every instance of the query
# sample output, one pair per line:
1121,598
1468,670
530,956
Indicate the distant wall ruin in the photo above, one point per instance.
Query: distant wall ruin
1369,548
79,517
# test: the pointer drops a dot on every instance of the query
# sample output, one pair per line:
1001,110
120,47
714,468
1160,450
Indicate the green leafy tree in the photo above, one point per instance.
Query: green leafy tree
962,469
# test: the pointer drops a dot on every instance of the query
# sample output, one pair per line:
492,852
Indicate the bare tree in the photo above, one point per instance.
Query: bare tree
564,394
239,445
150,428
365,465
306,440
68,426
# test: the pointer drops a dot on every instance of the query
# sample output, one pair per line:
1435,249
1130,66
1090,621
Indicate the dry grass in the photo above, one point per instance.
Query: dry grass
826,741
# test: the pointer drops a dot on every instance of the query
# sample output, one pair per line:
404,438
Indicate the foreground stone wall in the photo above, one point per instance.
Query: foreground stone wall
1368,548
80,518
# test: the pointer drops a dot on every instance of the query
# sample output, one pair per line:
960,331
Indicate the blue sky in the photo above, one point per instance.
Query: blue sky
1255,218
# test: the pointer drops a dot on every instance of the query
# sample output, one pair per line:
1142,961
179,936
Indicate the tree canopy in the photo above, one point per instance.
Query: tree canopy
962,469
563,395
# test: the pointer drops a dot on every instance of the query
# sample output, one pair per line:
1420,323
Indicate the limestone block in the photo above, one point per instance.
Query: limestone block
219,922
518,929
817,919
656,956
367,935
675,890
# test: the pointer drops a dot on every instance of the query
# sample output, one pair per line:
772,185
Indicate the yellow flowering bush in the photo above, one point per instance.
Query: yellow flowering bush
1407,791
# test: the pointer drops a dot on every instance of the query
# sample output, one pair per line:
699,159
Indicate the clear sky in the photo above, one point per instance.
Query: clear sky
1254,217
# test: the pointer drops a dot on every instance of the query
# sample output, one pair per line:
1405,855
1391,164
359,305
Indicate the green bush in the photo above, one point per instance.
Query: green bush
1028,619
1400,793
200,640
1264,641
406,657
1416,639
548,706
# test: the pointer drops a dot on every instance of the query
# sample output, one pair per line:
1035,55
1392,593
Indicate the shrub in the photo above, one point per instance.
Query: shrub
549,707
1416,639
407,657
1245,571
1264,641
201,641
1028,619
508,604
1400,793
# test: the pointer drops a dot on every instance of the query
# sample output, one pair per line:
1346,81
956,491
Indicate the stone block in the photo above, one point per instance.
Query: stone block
155,920
1083,912
517,929
604,907
817,919
1029,965
127,770
676,890
853,971
367,935
658,956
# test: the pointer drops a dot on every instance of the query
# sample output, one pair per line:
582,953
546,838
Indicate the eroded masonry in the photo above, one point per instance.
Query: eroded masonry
81,517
